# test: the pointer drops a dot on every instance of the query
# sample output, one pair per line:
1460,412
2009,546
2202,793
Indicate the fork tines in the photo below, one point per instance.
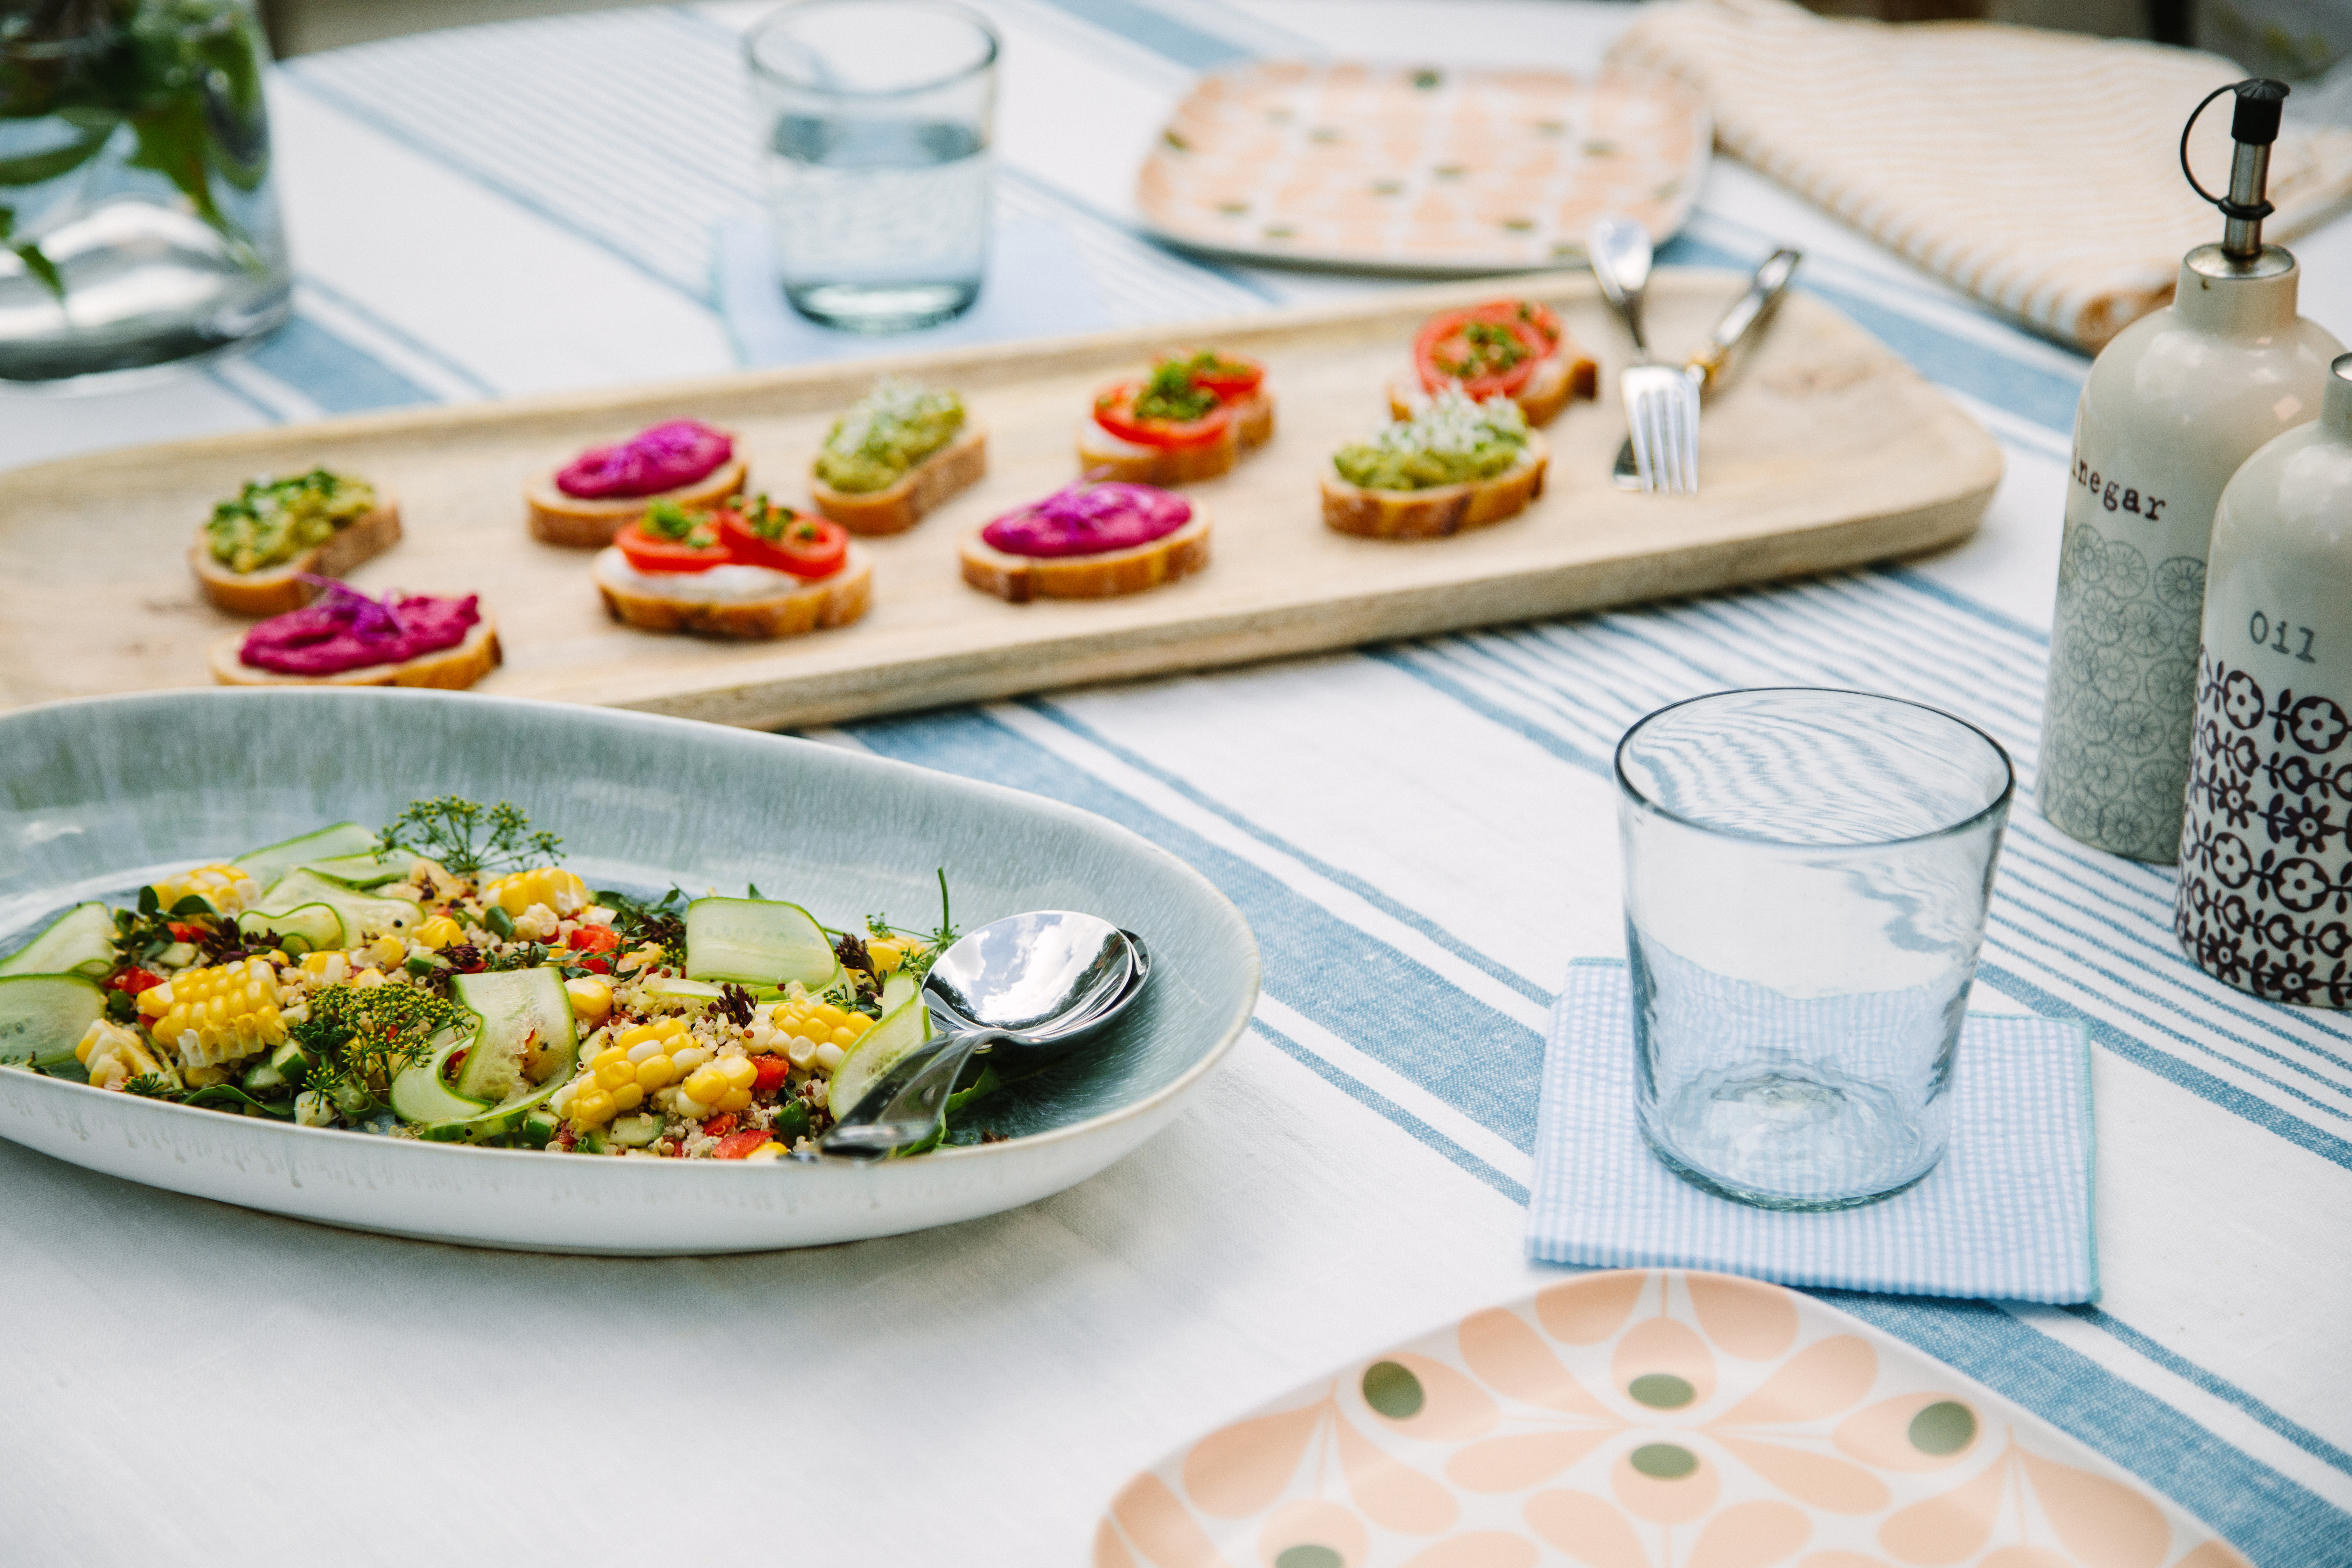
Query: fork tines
1661,419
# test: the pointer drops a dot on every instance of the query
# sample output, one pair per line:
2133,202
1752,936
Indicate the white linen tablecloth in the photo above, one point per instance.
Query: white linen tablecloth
1422,837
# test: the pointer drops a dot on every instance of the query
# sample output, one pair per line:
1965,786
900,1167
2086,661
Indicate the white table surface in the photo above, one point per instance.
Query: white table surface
190,1382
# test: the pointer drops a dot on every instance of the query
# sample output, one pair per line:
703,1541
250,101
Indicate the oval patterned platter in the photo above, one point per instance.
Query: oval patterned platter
1419,170
1637,1419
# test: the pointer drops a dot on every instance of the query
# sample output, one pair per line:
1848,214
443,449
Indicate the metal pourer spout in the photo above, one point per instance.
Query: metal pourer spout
2254,128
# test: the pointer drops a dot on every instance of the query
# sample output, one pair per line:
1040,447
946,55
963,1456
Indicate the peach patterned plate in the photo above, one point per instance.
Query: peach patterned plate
1422,170
1637,1419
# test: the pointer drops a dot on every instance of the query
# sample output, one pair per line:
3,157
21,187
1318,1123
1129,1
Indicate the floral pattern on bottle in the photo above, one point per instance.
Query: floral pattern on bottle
2266,894
2122,684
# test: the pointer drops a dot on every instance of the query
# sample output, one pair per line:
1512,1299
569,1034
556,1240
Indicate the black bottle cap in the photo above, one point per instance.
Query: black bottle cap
2260,100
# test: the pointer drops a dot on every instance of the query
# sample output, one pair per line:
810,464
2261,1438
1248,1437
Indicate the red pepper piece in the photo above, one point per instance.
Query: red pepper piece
719,1125
735,1145
131,982
773,1070
593,938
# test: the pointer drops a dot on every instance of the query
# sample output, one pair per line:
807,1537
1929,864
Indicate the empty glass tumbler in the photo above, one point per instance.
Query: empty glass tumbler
876,118
1806,879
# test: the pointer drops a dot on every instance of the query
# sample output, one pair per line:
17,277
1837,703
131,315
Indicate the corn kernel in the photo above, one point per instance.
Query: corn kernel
886,955
802,1051
628,1097
738,1071
706,1084
770,1150
654,1072
858,1024
735,1100
832,1017
592,999
387,951
562,893
643,1034
370,976
439,932
607,1057
594,1108
670,1028
688,1058
843,1037
220,1014
327,968
687,1105
226,888
829,1056
613,1074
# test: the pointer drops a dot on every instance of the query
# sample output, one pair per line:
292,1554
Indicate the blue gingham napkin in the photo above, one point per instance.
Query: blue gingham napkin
2006,1215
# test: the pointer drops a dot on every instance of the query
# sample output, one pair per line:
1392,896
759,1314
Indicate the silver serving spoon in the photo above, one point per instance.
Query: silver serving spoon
1619,251
1034,984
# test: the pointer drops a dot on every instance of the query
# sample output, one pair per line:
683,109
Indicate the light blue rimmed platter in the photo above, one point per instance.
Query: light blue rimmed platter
98,797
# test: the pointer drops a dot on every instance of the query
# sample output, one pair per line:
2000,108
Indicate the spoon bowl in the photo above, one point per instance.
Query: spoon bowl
1029,987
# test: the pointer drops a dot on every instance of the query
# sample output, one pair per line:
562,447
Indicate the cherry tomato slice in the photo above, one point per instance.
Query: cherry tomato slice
593,938
1488,351
1526,313
1115,412
808,546
1230,378
133,981
649,551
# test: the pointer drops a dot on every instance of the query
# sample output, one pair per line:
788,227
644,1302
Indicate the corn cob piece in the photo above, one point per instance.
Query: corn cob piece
214,1016
227,888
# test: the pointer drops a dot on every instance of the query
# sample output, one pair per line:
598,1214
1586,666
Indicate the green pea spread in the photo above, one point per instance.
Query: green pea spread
271,521
885,433
1453,441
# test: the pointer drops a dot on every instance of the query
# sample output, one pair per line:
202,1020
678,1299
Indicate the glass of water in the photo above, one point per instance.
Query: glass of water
876,118
1806,878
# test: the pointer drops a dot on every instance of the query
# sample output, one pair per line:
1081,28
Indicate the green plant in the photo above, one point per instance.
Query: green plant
180,77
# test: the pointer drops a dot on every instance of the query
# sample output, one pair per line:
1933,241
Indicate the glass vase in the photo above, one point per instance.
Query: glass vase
138,221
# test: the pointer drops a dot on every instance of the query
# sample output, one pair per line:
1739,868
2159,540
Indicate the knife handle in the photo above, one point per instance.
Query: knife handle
1763,292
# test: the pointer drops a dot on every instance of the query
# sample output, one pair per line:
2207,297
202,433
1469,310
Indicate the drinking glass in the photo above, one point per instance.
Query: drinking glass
1806,876
139,221
876,119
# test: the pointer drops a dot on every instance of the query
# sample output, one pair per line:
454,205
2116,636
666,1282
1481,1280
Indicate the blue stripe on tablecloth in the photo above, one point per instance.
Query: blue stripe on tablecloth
1156,30
2271,1519
1467,951
1373,1100
461,374
1481,1062
333,374
2301,1437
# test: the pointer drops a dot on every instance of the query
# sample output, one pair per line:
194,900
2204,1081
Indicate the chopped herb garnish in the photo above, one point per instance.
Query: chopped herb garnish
467,838
365,1037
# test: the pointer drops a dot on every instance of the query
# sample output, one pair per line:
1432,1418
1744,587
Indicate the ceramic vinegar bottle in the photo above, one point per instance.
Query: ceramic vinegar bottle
2265,893
2173,405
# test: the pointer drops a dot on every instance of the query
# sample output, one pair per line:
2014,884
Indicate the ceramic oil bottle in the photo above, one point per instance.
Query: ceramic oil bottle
2266,894
2176,403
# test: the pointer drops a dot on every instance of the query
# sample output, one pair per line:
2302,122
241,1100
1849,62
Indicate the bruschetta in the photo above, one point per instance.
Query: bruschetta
1504,348
1091,540
1454,465
1198,413
746,569
261,550
588,500
894,454
347,639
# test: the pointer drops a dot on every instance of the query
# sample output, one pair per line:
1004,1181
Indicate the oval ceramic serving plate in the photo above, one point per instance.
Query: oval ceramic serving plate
1646,1420
96,797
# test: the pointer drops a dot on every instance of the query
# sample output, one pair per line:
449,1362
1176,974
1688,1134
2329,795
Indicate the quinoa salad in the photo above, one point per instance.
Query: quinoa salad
446,978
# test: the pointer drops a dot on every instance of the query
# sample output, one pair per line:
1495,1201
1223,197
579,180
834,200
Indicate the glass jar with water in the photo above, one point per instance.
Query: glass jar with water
876,118
138,221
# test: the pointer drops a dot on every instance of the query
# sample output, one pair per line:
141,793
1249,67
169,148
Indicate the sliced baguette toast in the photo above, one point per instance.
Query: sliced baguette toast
961,462
275,590
586,524
1021,578
1559,378
834,601
1430,513
452,668
1250,427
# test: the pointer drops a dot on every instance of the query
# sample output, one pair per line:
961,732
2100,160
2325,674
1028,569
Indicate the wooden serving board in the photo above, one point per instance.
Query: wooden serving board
1825,450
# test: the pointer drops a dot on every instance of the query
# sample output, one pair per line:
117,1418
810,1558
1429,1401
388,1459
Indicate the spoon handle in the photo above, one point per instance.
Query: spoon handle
907,1104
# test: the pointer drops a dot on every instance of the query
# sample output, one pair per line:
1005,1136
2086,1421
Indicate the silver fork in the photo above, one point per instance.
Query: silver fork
1661,402
1706,367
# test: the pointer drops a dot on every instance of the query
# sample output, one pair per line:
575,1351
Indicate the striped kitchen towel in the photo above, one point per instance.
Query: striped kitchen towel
2038,171
2006,1215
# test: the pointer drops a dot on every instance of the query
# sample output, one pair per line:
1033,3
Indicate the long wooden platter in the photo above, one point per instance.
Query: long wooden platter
1825,450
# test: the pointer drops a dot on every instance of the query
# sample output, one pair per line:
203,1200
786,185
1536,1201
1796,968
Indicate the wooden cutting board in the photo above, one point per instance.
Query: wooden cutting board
1825,450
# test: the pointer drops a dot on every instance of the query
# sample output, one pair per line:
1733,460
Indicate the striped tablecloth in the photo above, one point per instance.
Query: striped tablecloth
1422,836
